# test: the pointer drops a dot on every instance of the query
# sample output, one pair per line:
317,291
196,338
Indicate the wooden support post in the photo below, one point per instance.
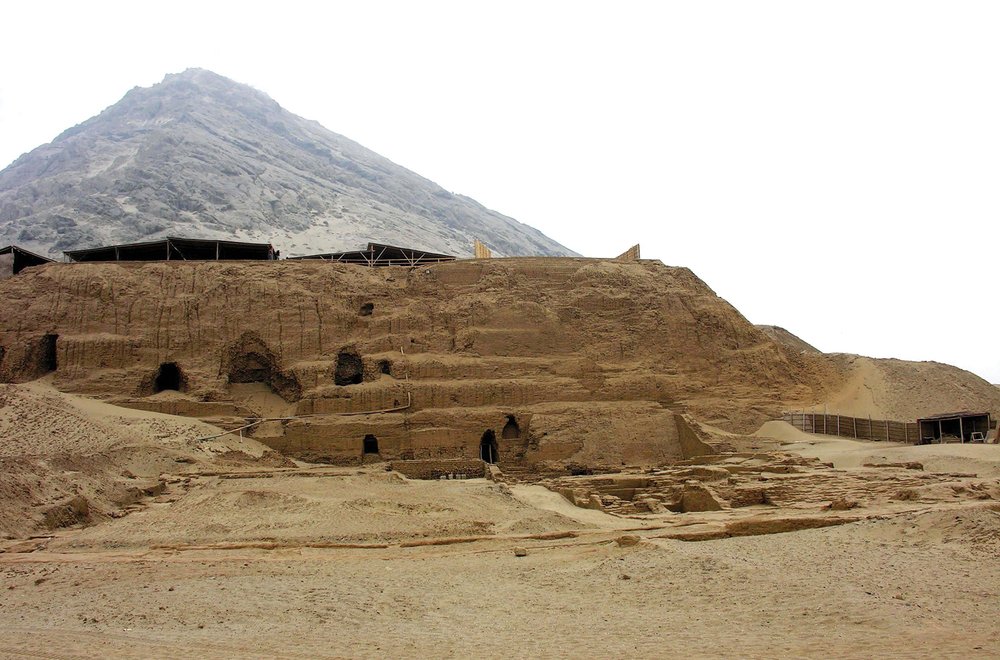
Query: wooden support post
887,430
855,420
961,430
838,425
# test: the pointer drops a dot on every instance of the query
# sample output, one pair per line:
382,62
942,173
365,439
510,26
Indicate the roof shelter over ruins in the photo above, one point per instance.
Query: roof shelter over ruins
954,426
379,254
14,259
177,249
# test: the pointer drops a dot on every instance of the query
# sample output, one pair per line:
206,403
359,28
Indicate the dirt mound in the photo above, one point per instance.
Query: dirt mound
335,506
68,460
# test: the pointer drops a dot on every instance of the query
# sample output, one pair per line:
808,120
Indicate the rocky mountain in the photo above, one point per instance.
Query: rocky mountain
202,156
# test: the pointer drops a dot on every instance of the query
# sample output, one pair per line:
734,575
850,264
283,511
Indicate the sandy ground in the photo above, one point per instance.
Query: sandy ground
982,459
250,559
879,588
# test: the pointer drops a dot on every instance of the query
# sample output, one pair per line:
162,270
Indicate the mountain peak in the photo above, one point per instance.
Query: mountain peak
201,155
196,74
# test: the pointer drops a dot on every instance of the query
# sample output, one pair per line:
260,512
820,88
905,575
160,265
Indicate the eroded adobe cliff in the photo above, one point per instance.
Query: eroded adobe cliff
590,360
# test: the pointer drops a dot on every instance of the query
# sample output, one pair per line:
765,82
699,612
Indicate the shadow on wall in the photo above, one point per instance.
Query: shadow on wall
511,431
350,368
50,358
249,360
168,377
30,359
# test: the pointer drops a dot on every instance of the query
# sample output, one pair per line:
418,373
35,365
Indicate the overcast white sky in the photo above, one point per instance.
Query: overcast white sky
830,167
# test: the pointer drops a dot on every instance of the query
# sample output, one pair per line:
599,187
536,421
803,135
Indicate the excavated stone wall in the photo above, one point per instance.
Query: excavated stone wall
591,358
444,469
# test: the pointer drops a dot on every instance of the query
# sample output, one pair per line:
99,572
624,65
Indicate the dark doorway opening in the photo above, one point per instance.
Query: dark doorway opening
350,369
511,430
251,367
49,359
367,309
370,444
384,366
168,377
488,449
249,360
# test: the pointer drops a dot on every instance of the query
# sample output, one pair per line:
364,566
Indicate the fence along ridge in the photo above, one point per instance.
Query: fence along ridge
860,428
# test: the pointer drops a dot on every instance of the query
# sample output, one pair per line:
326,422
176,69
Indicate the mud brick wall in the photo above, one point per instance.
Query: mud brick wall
440,468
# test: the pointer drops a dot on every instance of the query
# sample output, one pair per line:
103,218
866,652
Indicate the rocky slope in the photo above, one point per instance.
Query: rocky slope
786,338
202,156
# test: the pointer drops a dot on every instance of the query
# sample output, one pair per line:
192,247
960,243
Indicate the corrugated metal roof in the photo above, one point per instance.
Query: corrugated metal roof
380,254
953,415
174,247
23,258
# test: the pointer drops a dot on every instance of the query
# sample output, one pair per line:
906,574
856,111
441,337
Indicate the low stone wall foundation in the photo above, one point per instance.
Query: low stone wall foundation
459,468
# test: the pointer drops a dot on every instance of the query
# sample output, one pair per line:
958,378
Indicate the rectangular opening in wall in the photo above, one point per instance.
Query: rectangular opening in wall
49,357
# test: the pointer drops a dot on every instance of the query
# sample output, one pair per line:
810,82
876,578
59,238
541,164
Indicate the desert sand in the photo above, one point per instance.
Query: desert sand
239,552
